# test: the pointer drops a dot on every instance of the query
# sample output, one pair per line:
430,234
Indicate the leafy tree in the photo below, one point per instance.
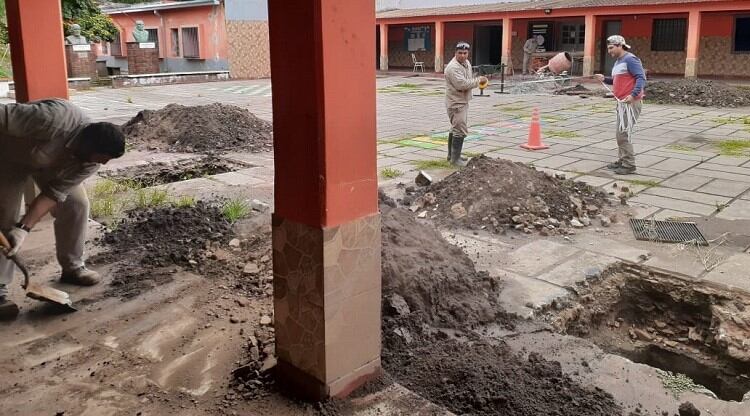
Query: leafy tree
94,25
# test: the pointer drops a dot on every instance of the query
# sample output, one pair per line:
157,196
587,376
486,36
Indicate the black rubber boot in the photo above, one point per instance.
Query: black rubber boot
456,146
450,144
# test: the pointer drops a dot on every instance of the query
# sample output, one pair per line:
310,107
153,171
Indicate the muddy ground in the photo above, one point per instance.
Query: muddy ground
698,92
212,128
499,195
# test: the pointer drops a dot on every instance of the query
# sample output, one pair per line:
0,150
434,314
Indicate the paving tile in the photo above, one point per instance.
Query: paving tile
573,271
520,292
679,155
654,173
674,204
555,161
725,187
687,264
594,180
685,181
731,161
692,196
236,179
533,258
518,151
583,166
737,210
732,272
675,165
669,214
719,175
608,247
725,168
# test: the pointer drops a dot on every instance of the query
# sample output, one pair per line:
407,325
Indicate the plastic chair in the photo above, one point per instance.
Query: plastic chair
417,64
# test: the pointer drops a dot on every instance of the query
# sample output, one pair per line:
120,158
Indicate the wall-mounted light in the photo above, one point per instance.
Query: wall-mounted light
547,11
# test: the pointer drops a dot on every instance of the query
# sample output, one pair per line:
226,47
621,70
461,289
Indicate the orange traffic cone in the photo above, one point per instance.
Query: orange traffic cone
535,133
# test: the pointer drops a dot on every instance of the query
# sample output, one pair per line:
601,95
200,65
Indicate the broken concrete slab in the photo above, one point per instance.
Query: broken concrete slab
573,271
537,256
609,247
523,295
732,272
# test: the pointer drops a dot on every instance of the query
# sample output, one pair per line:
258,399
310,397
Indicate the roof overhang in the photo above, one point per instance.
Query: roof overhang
147,7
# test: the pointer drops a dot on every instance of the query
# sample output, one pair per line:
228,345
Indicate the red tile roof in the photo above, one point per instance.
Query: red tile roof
524,6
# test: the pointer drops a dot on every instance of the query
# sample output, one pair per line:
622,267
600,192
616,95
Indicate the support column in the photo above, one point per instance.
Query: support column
37,49
326,225
693,44
383,47
506,54
439,46
589,45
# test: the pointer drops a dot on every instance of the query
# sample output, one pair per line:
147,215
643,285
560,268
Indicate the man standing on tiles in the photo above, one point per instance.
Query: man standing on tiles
459,81
628,81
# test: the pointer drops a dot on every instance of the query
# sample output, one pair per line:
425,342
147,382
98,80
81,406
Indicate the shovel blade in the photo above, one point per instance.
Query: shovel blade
49,294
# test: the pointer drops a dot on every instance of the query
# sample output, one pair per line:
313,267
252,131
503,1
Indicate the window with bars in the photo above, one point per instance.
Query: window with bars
669,35
115,47
741,34
153,36
190,43
175,41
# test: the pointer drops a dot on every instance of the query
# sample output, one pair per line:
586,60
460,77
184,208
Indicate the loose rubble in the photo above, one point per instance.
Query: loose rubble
497,195
699,92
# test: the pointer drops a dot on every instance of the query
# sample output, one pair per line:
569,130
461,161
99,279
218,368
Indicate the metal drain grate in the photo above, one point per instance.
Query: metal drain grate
667,231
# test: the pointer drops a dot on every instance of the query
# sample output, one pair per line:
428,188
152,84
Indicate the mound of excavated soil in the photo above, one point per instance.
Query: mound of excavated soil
425,276
150,245
705,93
497,194
202,129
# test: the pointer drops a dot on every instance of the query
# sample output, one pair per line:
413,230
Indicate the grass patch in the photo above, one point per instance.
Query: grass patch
732,120
235,209
563,134
390,173
552,118
104,207
678,383
433,164
733,147
407,86
680,148
185,201
151,198
646,183
471,154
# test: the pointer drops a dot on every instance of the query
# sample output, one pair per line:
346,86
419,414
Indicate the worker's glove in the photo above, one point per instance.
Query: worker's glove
16,237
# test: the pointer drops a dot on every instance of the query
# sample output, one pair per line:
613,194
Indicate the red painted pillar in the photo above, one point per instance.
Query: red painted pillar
383,47
439,46
37,49
693,44
506,54
326,225
589,44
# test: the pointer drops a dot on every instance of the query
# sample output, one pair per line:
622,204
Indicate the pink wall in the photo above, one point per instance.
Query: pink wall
209,20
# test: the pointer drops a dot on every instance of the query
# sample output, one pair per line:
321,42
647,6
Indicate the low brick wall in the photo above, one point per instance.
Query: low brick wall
142,60
81,64
125,81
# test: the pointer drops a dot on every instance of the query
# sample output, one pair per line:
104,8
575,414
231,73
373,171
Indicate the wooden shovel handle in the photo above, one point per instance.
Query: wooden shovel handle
4,243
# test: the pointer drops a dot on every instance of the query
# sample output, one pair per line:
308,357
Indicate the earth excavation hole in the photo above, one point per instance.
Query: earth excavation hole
660,320
163,173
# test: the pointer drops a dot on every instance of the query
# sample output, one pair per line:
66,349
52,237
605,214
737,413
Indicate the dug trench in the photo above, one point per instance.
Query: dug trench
141,176
678,326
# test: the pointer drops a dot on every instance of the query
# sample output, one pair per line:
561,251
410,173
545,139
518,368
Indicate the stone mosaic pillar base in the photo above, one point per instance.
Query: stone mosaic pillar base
327,293
691,67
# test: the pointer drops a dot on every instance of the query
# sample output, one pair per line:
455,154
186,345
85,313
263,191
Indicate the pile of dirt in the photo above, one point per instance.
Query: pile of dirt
479,378
202,129
497,194
432,292
425,276
150,246
161,173
705,93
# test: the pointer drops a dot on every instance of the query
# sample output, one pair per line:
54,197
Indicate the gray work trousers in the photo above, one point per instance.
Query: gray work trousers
71,218
625,145
459,114
526,64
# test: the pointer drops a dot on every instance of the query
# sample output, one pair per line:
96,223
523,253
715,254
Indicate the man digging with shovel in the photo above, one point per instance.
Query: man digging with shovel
55,144
459,81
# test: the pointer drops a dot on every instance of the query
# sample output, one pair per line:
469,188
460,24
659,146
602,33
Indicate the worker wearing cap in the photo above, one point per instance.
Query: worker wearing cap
628,81
459,81
54,143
